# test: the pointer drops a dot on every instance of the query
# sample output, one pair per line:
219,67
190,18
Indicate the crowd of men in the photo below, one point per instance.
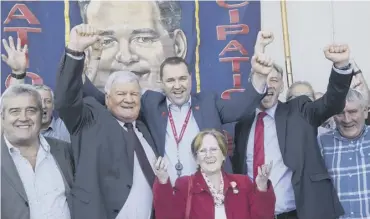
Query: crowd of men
96,159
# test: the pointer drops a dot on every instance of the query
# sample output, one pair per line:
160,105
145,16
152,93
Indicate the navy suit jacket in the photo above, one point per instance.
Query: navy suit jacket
209,109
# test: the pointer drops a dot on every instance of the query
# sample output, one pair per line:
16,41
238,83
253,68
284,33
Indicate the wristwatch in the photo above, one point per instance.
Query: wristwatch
18,76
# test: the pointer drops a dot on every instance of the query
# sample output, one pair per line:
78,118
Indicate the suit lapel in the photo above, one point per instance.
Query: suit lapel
163,118
60,157
281,118
197,113
142,128
10,171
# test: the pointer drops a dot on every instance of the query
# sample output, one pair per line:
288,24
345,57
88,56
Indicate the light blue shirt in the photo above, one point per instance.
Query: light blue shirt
280,176
184,149
58,130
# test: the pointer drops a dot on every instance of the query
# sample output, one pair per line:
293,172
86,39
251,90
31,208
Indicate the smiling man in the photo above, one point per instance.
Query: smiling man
346,152
36,171
138,36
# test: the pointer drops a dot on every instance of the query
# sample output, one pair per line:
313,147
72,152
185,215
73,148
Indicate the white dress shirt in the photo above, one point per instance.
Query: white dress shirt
280,176
140,200
44,186
220,212
184,147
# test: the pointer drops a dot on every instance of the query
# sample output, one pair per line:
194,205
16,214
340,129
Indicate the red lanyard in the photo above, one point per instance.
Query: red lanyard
178,138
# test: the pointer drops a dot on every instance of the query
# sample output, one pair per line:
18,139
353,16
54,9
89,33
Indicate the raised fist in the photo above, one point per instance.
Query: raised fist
82,36
338,54
264,38
16,58
262,64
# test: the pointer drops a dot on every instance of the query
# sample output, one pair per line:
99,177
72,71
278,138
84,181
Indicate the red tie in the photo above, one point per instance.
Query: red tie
259,152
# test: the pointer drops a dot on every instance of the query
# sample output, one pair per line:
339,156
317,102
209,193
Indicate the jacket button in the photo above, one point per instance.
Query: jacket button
116,211
26,203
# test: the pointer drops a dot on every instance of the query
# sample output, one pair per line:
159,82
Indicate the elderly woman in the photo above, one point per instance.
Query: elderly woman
212,193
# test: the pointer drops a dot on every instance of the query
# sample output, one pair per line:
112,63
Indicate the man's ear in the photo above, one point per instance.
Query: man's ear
180,43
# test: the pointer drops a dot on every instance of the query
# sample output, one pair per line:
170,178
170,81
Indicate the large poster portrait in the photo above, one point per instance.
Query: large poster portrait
139,36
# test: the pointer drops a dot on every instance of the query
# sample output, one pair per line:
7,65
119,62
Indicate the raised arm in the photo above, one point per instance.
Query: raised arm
334,99
68,93
245,103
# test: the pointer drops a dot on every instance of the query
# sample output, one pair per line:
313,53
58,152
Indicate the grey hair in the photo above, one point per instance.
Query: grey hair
170,12
356,96
120,76
289,94
46,88
20,89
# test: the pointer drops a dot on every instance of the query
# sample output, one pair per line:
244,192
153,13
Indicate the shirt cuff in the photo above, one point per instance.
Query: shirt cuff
343,72
75,57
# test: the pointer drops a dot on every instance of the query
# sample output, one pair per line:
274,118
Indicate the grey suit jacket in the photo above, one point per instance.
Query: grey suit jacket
14,201
104,172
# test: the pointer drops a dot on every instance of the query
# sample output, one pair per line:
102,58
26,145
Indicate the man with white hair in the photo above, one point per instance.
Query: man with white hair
16,59
36,171
113,150
346,152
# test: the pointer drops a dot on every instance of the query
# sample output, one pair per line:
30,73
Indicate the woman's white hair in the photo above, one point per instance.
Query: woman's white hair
121,77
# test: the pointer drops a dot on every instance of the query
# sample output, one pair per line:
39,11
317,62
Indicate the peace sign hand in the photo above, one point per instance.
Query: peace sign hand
262,178
160,170
16,59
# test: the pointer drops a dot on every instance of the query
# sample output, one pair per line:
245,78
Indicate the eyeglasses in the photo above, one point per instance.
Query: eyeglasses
204,152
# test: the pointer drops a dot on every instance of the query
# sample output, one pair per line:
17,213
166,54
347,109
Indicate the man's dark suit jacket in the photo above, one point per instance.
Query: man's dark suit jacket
209,110
103,174
14,201
296,125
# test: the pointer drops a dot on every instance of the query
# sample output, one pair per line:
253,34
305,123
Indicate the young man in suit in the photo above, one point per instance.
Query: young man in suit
286,134
113,150
36,171
175,117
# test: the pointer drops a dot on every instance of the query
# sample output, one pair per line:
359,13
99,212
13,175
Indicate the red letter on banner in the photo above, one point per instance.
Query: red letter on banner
235,62
232,46
36,79
22,32
222,31
236,84
223,4
25,13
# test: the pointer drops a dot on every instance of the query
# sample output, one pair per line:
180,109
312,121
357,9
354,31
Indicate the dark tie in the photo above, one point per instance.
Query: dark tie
259,151
134,142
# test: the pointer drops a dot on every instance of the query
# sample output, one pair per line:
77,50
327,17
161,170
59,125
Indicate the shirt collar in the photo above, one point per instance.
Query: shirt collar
51,125
171,105
122,124
271,111
43,143
338,136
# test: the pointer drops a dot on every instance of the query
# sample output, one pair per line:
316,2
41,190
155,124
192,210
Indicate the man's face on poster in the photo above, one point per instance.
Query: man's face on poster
137,40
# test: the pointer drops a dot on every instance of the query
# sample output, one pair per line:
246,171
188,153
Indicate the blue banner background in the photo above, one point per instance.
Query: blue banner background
46,48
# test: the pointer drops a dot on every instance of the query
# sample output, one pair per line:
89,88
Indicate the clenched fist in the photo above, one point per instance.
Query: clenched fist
338,54
82,36
264,38
262,64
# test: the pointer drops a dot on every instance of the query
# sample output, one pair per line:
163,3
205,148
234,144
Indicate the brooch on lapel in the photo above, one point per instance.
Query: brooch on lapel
196,107
233,185
163,113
